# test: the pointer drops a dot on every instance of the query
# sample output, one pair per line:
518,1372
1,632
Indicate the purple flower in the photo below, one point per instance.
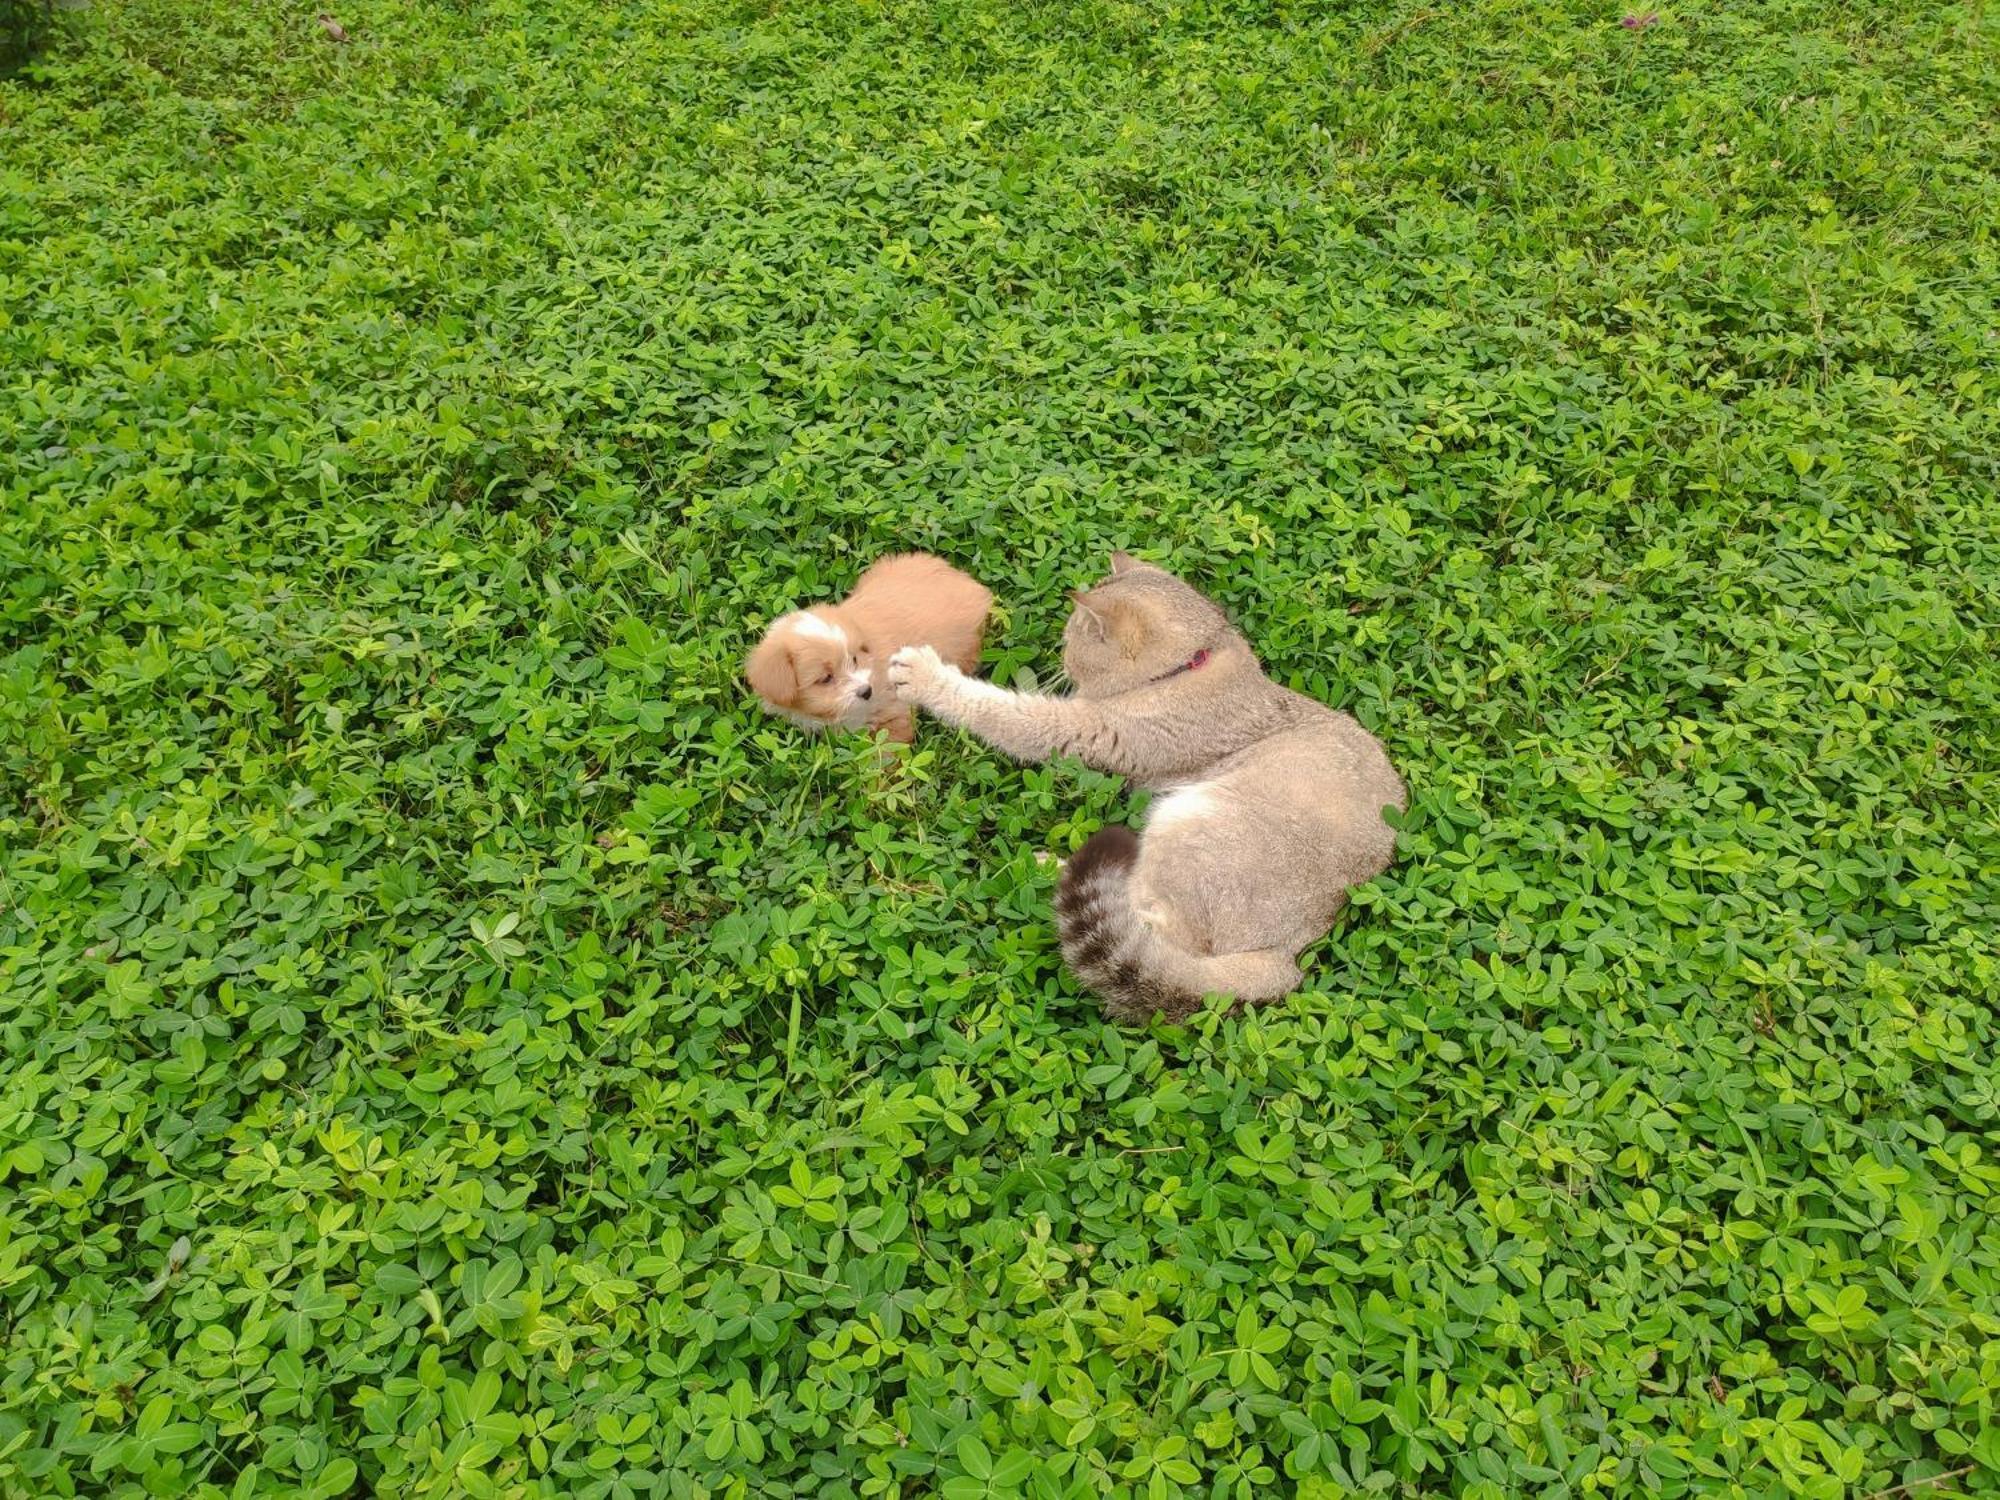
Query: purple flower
1639,22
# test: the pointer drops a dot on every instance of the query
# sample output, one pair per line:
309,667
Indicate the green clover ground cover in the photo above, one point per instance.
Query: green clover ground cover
455,1046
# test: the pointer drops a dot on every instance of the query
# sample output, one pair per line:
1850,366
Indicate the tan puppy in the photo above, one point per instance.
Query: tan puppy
823,667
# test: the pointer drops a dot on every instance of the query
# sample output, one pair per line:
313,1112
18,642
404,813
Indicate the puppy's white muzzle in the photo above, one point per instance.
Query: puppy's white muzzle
857,699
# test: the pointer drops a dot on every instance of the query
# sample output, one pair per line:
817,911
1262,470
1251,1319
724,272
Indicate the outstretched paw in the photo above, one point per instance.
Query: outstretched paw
916,672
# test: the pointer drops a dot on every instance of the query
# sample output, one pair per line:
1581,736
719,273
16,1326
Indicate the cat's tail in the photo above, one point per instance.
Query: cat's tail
1127,963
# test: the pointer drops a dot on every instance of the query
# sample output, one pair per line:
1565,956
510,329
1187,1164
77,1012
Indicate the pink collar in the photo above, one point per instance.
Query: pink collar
1192,664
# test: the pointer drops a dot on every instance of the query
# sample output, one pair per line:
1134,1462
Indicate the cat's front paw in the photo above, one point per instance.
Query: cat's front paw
916,673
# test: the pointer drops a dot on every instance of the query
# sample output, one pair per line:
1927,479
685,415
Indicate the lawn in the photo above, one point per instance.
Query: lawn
456,1045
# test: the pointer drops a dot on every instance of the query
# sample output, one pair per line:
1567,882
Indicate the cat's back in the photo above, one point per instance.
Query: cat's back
1353,757
1214,725
1317,761
1301,805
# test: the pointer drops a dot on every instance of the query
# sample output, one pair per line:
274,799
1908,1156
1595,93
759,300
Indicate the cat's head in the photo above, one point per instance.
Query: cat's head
1140,624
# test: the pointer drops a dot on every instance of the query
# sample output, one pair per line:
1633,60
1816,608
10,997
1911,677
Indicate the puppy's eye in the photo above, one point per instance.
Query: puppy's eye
826,679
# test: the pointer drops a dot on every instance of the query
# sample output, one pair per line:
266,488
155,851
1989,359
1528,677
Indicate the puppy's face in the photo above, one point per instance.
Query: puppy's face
811,667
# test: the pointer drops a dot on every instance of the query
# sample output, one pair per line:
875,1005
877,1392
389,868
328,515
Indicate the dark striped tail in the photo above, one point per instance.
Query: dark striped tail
1128,965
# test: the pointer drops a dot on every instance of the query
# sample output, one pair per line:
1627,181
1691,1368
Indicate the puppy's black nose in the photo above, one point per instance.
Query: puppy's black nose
866,693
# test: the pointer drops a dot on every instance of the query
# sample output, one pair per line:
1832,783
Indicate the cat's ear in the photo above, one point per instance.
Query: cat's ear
1124,562
1086,613
1125,624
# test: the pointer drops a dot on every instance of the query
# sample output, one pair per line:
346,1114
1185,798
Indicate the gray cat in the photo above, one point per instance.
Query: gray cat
1271,804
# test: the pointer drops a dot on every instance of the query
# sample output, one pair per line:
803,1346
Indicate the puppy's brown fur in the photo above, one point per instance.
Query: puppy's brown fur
823,667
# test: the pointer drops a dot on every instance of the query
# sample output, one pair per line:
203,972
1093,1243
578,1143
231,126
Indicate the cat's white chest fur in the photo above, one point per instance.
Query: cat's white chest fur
1180,807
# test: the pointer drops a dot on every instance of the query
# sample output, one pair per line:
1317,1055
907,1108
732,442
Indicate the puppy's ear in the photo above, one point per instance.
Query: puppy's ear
772,671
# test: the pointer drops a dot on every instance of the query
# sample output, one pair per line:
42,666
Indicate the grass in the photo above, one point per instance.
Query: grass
455,1046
